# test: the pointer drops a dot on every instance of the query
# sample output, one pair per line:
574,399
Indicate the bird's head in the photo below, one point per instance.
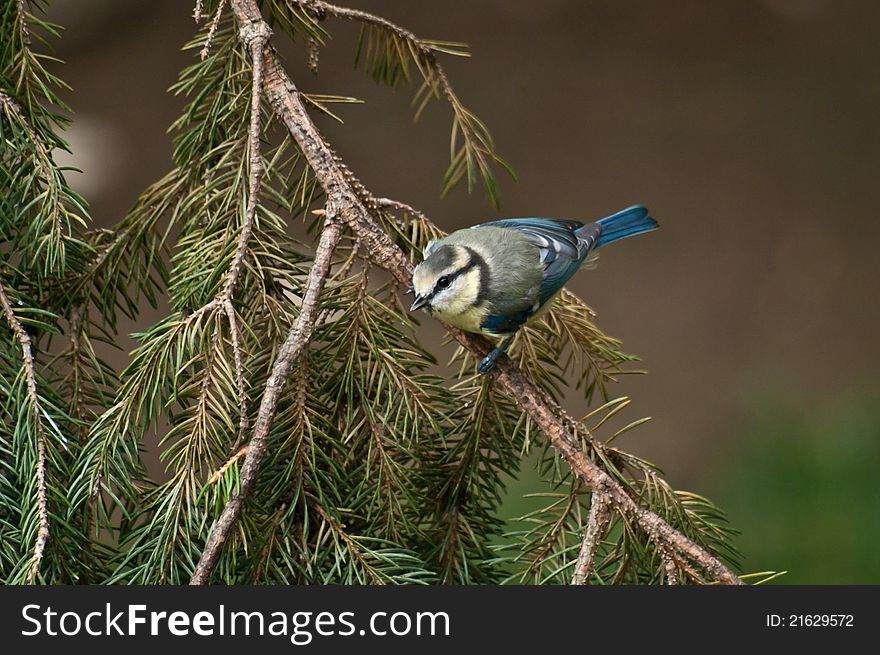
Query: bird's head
449,281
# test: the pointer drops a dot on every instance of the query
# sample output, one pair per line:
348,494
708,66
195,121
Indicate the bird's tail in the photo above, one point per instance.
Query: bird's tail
626,223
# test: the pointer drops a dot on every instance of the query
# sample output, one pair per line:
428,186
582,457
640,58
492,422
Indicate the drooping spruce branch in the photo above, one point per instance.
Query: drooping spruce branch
296,343
386,50
36,417
51,381
350,202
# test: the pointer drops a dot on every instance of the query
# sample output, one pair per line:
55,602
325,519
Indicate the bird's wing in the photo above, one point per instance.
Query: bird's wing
554,237
563,245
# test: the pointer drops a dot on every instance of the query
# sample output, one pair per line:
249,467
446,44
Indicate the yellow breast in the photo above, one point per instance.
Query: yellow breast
468,319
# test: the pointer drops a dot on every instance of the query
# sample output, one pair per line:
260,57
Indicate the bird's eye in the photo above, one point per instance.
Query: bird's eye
443,282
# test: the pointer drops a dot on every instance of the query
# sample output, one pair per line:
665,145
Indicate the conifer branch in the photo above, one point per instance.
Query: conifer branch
553,421
255,41
22,19
27,356
597,526
389,203
670,565
389,62
219,473
288,356
321,9
198,10
212,30
353,550
235,336
50,175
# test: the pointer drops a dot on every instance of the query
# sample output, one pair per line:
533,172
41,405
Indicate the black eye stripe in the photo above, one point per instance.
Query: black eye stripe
451,277
444,281
485,283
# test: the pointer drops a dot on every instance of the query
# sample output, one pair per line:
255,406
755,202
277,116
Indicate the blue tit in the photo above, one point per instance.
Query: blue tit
495,277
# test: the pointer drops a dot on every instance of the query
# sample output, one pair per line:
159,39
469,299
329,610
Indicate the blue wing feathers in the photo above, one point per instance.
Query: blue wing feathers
506,324
563,246
552,236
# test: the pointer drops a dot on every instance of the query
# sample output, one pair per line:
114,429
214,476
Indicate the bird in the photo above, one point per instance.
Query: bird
496,277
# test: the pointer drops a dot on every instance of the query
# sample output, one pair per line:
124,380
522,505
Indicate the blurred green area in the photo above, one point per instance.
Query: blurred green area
802,485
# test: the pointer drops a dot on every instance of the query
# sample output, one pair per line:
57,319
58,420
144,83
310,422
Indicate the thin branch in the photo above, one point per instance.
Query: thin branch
255,40
235,335
24,341
353,548
43,162
314,55
74,326
554,535
597,524
685,570
264,555
219,473
288,355
321,9
388,203
212,30
670,566
199,10
254,37
543,410
22,18
424,48
478,149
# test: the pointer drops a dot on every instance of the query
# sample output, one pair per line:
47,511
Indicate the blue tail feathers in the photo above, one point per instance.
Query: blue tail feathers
626,223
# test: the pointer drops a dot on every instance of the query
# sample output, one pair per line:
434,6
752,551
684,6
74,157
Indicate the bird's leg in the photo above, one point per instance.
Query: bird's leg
488,362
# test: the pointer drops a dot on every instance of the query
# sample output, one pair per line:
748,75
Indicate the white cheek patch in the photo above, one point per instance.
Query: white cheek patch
461,296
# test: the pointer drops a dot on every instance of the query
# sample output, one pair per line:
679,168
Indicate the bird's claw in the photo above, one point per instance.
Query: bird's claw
487,363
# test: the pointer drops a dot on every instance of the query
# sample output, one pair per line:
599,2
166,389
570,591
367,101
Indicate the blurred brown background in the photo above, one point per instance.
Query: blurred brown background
748,127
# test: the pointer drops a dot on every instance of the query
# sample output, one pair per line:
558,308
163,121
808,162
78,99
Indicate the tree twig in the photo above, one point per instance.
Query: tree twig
543,410
24,342
477,143
426,49
22,17
289,353
390,204
43,161
670,566
255,40
212,30
597,524
235,336
219,473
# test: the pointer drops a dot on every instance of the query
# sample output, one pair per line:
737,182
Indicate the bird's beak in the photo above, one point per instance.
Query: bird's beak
418,303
